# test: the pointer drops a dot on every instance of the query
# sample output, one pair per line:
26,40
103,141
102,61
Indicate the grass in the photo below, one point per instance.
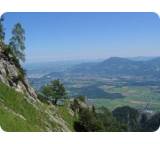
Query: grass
64,112
137,97
17,113
13,104
11,122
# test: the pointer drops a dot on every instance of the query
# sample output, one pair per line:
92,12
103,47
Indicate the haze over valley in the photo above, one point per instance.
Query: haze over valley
111,83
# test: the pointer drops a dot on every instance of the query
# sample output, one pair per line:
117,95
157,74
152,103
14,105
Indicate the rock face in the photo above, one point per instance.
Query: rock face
49,116
9,75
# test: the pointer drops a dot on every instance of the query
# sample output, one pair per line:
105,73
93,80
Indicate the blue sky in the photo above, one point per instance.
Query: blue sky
73,36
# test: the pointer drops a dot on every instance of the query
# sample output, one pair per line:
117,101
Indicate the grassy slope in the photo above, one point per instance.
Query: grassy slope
17,113
62,110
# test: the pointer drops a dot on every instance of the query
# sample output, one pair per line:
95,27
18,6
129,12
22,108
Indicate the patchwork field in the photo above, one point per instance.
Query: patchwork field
110,92
136,96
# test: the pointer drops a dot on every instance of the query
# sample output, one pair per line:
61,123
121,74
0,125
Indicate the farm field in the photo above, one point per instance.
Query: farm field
136,96
110,92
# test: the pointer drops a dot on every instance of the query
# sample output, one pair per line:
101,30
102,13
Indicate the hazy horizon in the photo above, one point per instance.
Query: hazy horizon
87,36
138,58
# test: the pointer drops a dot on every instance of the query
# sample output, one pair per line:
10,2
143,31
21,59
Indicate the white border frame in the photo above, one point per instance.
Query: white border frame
79,6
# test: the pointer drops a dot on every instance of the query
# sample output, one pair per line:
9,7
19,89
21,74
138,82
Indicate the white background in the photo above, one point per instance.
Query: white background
79,6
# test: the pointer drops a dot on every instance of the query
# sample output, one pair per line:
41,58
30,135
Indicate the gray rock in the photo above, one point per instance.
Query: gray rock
9,74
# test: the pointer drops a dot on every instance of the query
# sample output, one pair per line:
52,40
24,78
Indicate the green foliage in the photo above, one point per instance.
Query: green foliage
142,122
98,120
12,58
21,74
88,122
54,91
15,50
127,115
152,124
17,42
81,98
75,105
2,33
109,122
42,98
9,53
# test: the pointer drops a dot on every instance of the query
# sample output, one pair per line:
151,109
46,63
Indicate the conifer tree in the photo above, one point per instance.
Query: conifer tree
17,42
2,33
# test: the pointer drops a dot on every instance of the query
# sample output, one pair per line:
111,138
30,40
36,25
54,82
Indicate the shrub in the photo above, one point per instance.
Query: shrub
81,98
128,116
42,98
88,122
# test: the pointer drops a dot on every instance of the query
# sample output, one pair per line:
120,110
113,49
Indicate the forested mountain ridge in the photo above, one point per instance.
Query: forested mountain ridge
121,66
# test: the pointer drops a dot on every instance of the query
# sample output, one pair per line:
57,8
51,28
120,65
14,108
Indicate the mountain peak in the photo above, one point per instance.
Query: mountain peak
116,60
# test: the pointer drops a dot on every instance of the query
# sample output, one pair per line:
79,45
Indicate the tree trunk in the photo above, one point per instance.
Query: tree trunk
55,101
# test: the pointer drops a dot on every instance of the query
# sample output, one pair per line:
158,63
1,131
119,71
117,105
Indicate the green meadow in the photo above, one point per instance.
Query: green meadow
136,96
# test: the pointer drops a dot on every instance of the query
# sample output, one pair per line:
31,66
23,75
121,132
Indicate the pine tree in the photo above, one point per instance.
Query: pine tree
17,42
54,91
2,33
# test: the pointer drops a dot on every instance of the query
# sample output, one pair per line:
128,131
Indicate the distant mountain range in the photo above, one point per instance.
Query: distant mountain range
116,66
141,58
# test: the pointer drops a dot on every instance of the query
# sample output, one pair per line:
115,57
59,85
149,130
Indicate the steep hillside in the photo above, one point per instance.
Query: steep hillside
20,109
19,113
11,75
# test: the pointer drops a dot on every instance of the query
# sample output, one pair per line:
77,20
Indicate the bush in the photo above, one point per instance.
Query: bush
152,124
88,122
109,122
82,98
92,121
128,116
75,105
42,98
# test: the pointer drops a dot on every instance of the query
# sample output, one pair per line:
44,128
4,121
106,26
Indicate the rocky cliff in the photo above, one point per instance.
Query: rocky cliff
9,75
20,109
